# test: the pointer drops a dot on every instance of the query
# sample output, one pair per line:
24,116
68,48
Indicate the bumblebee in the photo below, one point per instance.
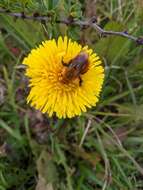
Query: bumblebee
75,68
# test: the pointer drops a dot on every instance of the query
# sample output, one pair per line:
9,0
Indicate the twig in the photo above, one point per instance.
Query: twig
24,16
70,21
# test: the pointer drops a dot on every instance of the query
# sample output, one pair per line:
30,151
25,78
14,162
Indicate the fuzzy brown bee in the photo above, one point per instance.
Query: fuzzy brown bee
75,68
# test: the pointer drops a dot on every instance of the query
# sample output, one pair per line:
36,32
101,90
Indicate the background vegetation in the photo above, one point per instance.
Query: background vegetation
102,149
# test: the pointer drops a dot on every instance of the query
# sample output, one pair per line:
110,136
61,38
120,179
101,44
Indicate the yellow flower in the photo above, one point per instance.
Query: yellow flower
49,92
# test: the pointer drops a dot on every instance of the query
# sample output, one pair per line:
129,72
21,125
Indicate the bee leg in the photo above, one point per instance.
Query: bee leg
64,64
80,81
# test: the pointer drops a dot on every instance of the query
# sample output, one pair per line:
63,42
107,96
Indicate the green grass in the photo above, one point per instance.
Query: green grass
102,149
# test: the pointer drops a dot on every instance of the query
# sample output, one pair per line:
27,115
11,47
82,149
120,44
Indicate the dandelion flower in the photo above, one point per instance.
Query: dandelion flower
46,69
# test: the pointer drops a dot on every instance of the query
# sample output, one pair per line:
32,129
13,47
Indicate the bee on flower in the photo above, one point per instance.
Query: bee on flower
65,78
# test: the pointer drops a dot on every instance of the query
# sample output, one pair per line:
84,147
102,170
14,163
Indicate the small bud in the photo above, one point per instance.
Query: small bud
23,15
125,32
7,11
93,19
70,19
139,41
36,14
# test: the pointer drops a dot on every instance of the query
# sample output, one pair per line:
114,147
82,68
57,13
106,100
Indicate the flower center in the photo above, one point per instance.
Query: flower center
57,79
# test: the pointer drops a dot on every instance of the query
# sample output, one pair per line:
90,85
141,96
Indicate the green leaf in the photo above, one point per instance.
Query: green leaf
12,132
23,31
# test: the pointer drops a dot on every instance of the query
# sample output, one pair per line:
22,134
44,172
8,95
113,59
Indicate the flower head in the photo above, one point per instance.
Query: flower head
65,78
